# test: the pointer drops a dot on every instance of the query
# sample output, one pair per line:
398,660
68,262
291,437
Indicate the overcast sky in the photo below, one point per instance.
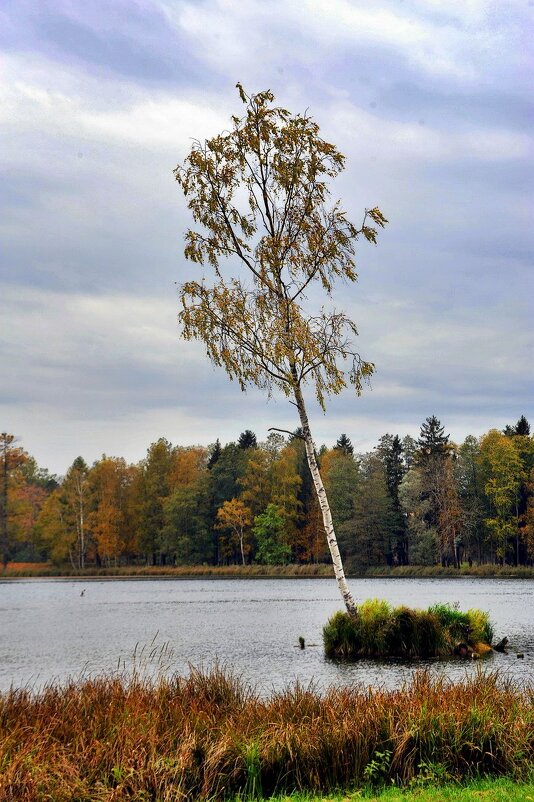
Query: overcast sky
429,100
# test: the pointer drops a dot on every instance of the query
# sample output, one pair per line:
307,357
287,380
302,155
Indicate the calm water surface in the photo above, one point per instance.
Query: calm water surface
49,631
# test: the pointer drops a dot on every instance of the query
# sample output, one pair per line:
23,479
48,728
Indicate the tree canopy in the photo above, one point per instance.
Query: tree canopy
260,196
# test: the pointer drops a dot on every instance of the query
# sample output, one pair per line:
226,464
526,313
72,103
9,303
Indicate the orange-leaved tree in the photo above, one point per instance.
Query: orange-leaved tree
235,517
259,194
11,458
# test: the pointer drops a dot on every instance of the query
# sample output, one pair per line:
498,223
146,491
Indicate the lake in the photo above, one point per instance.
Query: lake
53,629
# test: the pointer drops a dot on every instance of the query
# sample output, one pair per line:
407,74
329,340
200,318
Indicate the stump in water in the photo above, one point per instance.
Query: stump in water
501,646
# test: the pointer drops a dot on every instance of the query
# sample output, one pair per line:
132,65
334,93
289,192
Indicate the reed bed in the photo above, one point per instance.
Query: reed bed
15,570
186,571
210,736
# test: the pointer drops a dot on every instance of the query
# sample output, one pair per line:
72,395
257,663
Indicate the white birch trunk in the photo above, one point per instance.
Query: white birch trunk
241,546
339,573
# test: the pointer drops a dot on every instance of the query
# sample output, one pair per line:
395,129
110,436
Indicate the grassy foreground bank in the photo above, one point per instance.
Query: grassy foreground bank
502,790
210,736
19,570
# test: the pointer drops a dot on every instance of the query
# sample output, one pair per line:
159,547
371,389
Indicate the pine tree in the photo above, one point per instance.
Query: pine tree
409,449
247,439
522,427
215,454
439,487
391,454
344,444
432,439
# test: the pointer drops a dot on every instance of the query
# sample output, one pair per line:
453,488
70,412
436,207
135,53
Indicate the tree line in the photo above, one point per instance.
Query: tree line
408,501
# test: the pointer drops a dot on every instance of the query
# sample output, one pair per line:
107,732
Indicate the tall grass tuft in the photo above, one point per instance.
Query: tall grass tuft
382,631
209,736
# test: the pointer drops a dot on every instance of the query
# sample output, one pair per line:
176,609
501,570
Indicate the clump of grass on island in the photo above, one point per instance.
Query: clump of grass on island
381,630
210,736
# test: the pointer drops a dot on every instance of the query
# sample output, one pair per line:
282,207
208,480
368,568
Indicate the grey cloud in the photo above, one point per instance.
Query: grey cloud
134,40
92,222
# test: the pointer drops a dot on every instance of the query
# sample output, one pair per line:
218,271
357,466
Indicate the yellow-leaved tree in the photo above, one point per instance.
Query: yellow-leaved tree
259,194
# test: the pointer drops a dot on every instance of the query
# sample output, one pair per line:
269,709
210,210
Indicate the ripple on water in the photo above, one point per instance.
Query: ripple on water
50,632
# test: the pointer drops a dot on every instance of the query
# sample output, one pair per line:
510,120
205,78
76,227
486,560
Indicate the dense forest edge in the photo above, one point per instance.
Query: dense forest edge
128,736
409,507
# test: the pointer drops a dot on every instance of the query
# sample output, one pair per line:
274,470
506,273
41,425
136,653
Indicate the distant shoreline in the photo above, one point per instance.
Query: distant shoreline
47,571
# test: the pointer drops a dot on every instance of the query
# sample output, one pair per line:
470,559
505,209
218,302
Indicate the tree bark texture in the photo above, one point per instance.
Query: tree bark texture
339,573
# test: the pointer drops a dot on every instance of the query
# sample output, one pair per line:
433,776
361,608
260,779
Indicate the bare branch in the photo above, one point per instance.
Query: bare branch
286,431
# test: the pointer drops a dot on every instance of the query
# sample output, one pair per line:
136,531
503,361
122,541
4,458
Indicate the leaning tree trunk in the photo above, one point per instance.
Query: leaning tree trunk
350,604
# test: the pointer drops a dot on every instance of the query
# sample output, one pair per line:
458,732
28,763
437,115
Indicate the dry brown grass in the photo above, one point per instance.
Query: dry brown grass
260,571
26,569
185,571
210,736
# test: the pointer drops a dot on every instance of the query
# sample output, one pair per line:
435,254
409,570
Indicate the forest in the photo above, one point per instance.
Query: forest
424,501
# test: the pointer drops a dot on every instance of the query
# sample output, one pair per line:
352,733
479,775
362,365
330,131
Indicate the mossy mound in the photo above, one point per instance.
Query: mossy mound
380,630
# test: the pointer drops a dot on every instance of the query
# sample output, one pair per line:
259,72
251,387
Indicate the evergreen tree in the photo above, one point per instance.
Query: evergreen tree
368,535
432,439
344,445
247,439
391,454
409,449
215,453
434,458
227,472
522,427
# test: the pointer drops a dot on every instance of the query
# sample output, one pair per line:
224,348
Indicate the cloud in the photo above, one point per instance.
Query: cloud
99,102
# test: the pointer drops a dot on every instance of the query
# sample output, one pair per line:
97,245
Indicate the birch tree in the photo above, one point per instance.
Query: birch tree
259,196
